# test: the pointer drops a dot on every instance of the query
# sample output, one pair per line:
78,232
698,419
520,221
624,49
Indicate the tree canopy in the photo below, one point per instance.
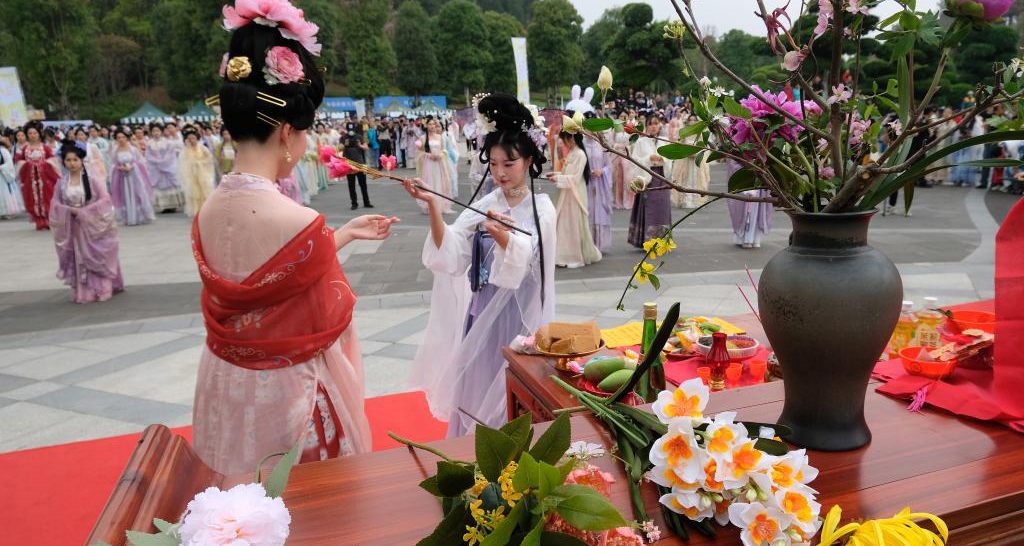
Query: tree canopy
460,32
553,44
500,72
417,62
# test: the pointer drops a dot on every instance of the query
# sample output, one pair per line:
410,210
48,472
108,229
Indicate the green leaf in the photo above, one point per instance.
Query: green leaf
667,325
742,180
549,538
993,163
145,539
692,129
887,102
906,90
892,88
677,151
733,108
712,101
714,156
533,537
165,527
902,46
633,138
278,478
908,195
526,475
590,512
552,445
908,21
430,486
655,281
519,430
548,478
598,124
451,528
494,450
500,535
771,447
889,20
453,479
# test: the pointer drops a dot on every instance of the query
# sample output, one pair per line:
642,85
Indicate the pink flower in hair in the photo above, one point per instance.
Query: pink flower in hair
288,19
282,66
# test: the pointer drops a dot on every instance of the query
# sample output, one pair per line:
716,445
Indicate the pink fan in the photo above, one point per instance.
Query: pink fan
326,154
337,167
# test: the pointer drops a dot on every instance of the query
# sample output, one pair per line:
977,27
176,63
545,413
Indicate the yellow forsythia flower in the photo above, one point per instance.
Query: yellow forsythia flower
643,272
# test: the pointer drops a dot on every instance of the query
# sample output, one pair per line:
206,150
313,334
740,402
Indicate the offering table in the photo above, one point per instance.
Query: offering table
969,473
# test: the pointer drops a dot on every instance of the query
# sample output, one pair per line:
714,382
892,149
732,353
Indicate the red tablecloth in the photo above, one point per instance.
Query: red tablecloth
678,370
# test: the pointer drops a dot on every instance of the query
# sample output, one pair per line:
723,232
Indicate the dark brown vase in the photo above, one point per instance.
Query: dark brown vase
829,304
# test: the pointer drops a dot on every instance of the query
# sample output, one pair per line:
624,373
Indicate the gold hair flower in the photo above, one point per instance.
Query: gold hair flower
238,68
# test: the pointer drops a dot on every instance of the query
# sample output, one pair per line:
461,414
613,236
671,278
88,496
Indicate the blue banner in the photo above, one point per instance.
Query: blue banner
381,103
440,100
347,104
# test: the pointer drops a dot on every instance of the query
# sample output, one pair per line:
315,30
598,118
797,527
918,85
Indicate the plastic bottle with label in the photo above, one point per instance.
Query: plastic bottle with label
928,321
904,334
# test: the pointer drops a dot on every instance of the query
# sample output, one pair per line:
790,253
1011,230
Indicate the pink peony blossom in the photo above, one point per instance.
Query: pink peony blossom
742,130
338,168
241,516
840,94
288,19
856,7
282,66
824,17
224,65
994,9
793,59
828,173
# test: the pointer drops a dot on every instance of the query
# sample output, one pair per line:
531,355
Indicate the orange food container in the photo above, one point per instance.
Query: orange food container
980,320
931,369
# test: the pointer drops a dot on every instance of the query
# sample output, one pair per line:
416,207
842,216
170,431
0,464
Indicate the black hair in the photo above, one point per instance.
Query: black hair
122,131
245,113
190,131
511,121
68,147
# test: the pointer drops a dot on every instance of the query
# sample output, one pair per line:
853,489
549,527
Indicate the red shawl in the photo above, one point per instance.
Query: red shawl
286,312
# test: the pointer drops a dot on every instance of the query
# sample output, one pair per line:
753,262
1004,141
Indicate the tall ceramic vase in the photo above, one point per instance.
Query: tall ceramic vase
829,304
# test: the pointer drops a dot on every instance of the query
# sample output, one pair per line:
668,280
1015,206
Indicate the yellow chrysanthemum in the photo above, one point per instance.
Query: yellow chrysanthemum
897,530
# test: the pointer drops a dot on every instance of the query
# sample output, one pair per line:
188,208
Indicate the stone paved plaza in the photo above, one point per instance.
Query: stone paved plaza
73,372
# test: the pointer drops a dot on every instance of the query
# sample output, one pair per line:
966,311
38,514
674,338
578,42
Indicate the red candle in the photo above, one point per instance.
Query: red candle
718,360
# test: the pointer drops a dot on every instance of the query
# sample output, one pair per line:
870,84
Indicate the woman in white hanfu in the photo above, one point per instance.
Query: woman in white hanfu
575,241
491,283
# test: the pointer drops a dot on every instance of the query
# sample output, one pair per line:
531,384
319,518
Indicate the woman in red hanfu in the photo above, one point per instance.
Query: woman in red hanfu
38,175
282,363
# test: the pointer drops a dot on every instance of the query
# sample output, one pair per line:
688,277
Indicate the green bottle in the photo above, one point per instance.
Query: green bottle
653,381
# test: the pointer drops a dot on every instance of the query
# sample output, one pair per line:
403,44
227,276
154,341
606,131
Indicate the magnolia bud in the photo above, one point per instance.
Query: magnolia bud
762,496
717,497
751,495
705,502
637,184
604,81
569,125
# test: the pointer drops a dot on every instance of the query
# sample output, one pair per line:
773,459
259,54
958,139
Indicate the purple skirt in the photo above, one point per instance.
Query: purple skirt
652,212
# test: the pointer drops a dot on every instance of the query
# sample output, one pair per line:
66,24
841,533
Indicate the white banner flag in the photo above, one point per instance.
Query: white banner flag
12,101
522,70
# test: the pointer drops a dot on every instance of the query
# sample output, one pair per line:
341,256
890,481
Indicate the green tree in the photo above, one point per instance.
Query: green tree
981,49
501,71
131,19
417,63
460,34
520,9
184,30
639,54
743,54
327,15
553,45
52,42
597,38
369,58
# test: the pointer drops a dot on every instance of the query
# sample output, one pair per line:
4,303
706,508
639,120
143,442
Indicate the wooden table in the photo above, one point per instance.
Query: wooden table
529,388
969,473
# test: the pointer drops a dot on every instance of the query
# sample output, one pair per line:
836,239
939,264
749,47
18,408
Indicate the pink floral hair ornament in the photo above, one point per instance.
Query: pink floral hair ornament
388,162
282,66
288,20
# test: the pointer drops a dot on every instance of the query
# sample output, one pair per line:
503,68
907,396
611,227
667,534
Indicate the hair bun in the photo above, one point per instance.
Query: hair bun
68,146
506,112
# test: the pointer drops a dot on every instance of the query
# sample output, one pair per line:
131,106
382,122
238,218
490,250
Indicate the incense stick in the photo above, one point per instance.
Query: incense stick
752,310
382,174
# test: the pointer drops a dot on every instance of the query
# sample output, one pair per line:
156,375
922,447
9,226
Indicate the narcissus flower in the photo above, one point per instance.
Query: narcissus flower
687,401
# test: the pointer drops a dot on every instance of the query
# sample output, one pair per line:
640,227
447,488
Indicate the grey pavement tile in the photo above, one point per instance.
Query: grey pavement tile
385,375
57,363
391,301
37,388
402,330
571,309
12,382
397,350
168,323
120,362
571,287
114,330
6,401
111,406
366,303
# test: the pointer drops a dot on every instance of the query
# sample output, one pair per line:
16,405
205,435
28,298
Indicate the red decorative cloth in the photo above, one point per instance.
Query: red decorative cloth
988,394
678,370
289,310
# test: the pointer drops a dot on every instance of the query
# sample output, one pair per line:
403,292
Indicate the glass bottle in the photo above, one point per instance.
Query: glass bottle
718,360
653,381
906,329
928,321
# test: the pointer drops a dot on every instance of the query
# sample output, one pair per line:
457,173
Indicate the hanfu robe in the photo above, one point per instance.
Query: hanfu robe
130,187
622,196
686,173
575,243
750,220
434,167
37,172
195,172
162,162
600,194
85,235
281,364
483,297
10,194
652,210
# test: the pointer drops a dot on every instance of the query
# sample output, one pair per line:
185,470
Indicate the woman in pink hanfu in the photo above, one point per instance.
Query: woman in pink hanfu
282,364
84,229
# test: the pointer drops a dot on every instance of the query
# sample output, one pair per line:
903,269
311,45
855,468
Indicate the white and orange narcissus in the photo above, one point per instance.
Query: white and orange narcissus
687,401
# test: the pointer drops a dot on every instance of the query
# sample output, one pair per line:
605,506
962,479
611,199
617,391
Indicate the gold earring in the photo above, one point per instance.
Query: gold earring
287,156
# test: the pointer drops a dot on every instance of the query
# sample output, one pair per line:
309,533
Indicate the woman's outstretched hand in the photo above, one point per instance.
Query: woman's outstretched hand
370,227
414,190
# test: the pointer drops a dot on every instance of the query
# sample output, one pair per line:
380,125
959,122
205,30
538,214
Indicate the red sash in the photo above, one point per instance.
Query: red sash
286,312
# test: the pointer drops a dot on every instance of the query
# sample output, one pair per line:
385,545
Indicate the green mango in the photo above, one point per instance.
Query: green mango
615,380
597,370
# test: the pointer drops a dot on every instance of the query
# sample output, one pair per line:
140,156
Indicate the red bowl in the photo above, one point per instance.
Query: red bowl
979,320
931,369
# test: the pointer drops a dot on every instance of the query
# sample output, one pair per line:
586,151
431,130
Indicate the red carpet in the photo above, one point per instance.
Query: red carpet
53,495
